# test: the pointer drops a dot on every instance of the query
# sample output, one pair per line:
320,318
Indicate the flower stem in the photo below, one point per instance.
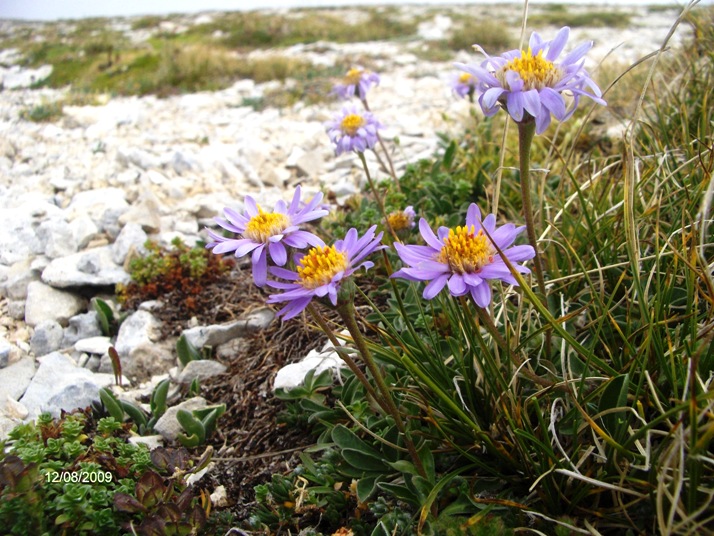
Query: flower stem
377,197
526,131
325,327
392,171
347,313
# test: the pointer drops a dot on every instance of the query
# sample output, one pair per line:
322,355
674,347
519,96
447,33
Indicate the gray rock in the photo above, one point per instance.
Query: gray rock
131,237
94,203
140,353
16,309
19,275
109,222
136,157
59,384
46,338
293,375
91,268
57,238
201,369
168,426
151,441
16,377
221,333
16,77
47,303
93,345
83,230
5,351
145,212
82,326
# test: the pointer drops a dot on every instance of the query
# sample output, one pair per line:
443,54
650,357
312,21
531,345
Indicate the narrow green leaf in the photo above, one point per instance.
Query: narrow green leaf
111,403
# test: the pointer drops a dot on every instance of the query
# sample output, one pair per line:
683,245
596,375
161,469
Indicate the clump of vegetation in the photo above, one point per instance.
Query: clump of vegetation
558,15
79,475
43,113
177,276
492,35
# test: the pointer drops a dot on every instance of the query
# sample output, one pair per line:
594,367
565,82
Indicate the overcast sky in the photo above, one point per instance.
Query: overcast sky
73,9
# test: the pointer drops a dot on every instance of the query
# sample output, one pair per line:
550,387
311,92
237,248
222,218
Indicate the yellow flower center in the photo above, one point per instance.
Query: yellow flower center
352,123
398,220
352,77
265,224
535,71
465,78
320,265
465,251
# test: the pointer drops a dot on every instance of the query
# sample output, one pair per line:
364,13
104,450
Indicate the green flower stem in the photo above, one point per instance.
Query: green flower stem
347,313
377,197
392,171
526,131
325,327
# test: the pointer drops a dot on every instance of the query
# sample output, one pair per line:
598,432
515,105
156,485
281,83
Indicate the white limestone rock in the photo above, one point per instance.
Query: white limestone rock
47,303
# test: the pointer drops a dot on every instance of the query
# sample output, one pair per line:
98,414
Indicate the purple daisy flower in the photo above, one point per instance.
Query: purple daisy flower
321,271
464,258
463,84
353,130
268,232
356,82
530,84
402,219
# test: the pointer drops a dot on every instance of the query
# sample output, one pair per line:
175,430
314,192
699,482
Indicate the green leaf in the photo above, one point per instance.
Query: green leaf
366,487
111,403
362,460
449,155
105,316
615,396
186,351
158,398
400,492
346,439
135,414
191,424
189,441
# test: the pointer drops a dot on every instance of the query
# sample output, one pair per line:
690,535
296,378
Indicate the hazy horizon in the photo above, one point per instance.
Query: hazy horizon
46,10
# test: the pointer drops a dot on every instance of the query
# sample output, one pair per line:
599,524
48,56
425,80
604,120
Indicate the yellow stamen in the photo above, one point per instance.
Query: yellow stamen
465,78
352,123
535,71
353,76
320,265
466,251
398,220
265,224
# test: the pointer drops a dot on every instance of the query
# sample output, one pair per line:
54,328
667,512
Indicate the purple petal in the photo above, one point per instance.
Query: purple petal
531,102
278,253
457,286
490,96
481,294
429,236
553,100
283,273
295,203
577,53
251,206
260,267
558,44
433,288
514,101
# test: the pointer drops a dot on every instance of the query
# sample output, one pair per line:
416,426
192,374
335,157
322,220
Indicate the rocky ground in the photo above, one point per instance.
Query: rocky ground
79,196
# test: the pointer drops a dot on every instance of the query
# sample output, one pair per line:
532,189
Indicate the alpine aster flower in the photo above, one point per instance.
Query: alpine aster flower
353,130
322,270
530,84
402,219
463,84
464,258
356,82
268,232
